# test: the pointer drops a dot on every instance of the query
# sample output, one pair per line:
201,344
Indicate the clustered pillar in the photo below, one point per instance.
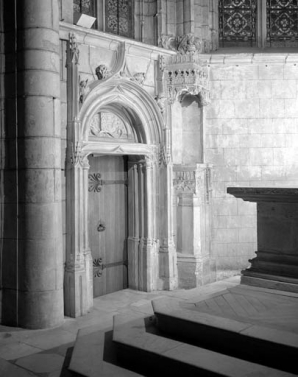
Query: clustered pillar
33,286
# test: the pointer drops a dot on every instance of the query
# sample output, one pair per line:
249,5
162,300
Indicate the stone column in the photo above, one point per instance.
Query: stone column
133,225
33,281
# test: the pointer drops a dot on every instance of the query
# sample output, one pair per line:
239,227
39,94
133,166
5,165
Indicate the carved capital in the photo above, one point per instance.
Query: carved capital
78,158
196,180
75,263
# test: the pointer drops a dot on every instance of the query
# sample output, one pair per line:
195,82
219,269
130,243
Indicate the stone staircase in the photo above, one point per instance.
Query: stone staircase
180,341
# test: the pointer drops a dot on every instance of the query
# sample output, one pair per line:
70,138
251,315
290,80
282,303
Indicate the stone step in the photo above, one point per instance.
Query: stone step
94,355
154,355
254,343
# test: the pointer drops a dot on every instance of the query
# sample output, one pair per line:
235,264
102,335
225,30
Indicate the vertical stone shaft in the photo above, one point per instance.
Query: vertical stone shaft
36,299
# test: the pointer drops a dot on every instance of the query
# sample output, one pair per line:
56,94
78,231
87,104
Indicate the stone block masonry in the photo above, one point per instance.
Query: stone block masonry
251,139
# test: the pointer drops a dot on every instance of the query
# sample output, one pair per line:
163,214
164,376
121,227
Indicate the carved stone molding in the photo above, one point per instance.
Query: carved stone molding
187,75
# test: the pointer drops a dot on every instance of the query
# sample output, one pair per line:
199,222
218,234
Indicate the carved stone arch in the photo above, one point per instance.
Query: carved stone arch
140,106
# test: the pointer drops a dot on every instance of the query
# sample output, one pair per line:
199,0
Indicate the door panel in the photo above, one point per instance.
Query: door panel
108,223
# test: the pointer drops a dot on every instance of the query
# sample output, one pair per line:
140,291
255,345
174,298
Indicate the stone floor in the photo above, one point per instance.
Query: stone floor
46,353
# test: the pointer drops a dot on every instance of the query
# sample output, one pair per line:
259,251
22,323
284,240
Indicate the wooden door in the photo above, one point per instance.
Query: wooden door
107,221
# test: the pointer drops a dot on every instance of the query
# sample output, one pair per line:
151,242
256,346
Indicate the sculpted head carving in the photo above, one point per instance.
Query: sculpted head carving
101,72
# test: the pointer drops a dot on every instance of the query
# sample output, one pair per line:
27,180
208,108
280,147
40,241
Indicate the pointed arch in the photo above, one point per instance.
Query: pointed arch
141,110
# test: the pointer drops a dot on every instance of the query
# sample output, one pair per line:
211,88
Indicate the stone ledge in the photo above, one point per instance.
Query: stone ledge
265,194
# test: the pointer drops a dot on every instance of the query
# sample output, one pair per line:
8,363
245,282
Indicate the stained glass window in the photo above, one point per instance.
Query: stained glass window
282,23
237,22
118,17
85,7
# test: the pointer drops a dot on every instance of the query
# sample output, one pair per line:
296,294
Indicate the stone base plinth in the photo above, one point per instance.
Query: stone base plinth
194,271
276,263
269,281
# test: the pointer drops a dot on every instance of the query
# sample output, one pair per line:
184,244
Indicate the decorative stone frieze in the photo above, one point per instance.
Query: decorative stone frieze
187,75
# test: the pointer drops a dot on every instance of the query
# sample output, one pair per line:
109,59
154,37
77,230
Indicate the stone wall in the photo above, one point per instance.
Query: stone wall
251,132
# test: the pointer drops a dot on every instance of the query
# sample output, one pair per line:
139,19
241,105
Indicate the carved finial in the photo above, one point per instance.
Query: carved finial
74,49
102,72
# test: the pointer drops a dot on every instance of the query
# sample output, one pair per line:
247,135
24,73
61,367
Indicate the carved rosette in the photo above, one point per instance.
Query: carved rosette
187,75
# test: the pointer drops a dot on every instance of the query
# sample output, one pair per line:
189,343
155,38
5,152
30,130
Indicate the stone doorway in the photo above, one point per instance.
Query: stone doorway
151,254
107,222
